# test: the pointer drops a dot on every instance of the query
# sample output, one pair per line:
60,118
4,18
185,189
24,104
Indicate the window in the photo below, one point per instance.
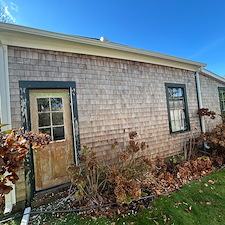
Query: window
50,117
177,107
222,99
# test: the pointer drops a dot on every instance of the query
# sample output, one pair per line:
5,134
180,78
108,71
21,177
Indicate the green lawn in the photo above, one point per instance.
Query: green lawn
15,218
201,202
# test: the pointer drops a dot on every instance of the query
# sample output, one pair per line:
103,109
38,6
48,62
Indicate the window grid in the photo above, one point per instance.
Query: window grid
52,127
177,108
222,101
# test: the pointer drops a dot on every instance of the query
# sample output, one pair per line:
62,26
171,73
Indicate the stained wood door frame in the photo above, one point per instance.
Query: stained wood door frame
25,87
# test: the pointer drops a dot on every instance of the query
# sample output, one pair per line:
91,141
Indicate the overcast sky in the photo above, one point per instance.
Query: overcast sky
190,29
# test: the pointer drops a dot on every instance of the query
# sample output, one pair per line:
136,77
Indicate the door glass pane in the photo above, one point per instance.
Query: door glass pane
44,119
45,131
57,118
43,104
56,104
58,133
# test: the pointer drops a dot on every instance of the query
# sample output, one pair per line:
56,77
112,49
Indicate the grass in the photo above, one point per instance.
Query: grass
15,218
201,202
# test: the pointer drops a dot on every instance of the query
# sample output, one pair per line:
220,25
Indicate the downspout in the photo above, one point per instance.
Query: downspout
200,105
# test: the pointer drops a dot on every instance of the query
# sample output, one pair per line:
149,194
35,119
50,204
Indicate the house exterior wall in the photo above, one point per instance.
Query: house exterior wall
210,99
114,97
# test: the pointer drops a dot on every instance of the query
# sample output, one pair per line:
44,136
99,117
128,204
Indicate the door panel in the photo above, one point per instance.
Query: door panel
50,113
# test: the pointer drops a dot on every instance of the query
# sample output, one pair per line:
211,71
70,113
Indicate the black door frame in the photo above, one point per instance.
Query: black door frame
25,87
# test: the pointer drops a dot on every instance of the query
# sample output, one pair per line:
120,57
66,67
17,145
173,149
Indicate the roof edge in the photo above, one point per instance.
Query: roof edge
211,74
94,42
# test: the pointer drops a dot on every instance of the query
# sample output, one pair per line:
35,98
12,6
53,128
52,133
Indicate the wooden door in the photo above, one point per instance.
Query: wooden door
50,113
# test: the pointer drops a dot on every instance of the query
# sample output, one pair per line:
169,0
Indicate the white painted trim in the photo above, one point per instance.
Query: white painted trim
10,199
4,88
26,216
213,75
11,34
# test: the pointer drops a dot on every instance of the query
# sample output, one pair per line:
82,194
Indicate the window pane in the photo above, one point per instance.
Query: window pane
45,131
173,126
175,92
222,100
176,104
223,106
222,95
44,119
43,104
177,120
57,118
58,133
56,104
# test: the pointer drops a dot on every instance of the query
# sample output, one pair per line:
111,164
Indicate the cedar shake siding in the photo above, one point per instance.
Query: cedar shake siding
210,99
114,97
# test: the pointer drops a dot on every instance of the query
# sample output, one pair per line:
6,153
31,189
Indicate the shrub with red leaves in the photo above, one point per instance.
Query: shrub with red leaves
206,112
13,150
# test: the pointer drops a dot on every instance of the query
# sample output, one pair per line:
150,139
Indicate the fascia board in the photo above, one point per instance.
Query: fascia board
213,75
10,34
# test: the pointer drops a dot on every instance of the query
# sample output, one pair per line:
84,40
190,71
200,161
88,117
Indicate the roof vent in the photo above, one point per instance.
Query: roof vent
103,39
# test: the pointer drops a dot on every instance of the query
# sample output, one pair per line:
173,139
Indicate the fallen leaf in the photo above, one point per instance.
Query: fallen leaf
154,218
155,222
206,185
208,203
200,191
201,202
187,210
178,203
190,208
113,223
185,203
211,181
132,223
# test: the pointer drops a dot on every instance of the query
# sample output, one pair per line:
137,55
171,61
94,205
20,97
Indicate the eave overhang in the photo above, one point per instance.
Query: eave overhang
15,35
212,75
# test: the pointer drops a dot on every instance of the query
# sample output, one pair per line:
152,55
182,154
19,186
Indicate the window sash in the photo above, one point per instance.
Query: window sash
177,107
222,100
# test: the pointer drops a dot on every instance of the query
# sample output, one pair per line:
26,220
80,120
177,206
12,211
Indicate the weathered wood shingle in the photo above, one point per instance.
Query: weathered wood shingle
114,97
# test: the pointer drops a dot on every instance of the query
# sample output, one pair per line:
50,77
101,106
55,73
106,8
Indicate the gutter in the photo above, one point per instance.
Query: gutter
7,28
213,75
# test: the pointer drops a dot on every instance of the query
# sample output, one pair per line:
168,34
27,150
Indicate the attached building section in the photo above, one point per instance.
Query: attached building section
211,98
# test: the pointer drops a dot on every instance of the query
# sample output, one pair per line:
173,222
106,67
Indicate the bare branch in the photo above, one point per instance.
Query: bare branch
4,17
